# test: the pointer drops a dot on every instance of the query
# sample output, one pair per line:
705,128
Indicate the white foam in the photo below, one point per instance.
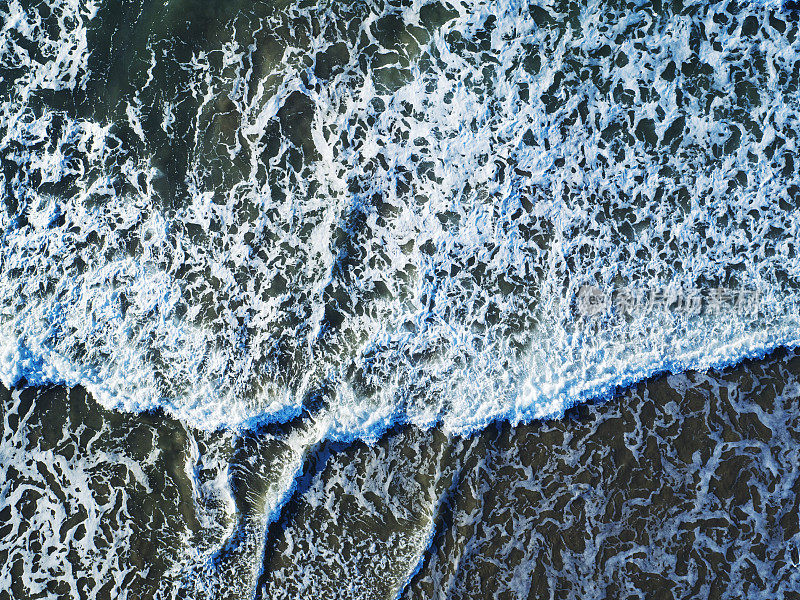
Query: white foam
420,265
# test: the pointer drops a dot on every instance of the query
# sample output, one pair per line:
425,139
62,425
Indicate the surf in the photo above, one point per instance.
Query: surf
383,213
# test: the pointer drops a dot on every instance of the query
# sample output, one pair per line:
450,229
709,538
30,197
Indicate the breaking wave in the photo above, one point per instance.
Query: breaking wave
383,212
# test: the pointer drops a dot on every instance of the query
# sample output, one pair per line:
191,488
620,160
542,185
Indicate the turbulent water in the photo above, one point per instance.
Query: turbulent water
687,487
269,232
384,210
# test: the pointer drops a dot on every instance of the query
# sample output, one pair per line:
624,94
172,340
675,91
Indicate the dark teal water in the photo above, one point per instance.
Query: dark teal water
293,299
684,486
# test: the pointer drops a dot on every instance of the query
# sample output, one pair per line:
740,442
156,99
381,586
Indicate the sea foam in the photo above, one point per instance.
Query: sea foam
384,212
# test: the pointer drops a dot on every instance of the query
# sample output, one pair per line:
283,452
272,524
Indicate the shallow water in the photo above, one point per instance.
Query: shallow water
683,486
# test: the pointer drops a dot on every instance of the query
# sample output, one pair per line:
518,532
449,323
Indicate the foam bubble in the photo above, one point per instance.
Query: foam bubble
386,209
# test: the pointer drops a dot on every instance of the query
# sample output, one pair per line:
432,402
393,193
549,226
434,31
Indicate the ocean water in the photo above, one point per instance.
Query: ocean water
686,486
308,298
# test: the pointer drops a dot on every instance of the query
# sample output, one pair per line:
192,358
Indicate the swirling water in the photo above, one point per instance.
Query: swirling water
387,208
290,225
686,486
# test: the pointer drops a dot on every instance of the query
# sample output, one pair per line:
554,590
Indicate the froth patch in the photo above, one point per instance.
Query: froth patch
382,212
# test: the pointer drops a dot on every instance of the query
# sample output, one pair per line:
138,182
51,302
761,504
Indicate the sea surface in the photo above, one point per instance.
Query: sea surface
399,299
685,486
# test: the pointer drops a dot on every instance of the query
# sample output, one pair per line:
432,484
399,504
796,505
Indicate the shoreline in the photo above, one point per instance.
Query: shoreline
597,393
222,493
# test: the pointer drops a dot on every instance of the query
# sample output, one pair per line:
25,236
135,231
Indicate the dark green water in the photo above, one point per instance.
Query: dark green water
290,299
684,486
